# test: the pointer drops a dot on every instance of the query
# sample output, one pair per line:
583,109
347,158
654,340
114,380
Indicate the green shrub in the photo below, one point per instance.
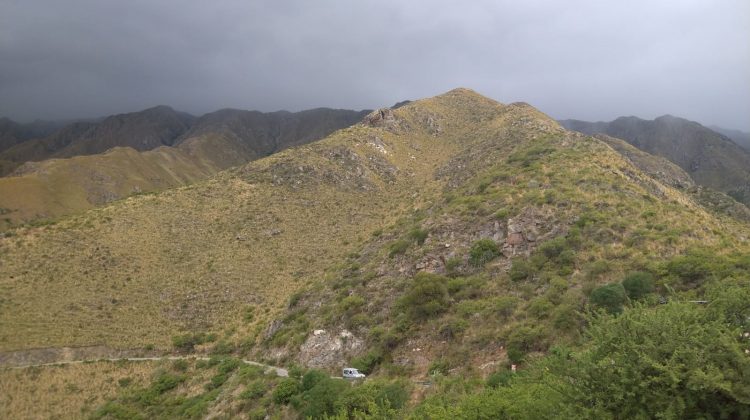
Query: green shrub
483,251
504,306
499,378
186,342
439,367
638,284
367,362
452,264
180,365
254,390
453,329
398,247
520,270
285,390
351,303
427,296
522,340
418,235
611,297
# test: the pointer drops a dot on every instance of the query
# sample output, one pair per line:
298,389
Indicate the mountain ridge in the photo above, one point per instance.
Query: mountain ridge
712,159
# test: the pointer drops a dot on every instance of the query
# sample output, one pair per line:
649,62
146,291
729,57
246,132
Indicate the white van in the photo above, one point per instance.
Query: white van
352,373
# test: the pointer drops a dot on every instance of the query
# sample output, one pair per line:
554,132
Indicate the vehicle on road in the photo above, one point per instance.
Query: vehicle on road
351,373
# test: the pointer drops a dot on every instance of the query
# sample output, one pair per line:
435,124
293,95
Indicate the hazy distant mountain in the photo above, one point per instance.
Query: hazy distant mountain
740,137
711,159
147,151
266,133
143,130
12,133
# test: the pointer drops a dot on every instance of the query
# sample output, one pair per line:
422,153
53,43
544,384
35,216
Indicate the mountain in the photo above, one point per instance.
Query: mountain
432,246
740,137
216,141
710,158
143,130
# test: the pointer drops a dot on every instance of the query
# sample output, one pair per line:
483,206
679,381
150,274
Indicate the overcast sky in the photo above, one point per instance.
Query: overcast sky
585,59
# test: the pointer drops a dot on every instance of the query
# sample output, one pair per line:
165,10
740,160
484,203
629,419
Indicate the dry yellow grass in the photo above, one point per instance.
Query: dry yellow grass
192,259
66,391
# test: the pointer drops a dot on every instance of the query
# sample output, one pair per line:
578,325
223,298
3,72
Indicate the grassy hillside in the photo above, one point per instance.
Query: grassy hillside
445,239
55,187
712,159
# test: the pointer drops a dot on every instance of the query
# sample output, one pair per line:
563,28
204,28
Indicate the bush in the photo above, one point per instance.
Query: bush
186,342
499,378
285,390
453,329
418,235
439,367
520,270
398,247
311,378
611,297
638,284
367,362
504,305
523,340
482,252
427,297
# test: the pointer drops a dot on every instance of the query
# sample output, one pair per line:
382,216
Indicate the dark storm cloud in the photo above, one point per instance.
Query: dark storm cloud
572,59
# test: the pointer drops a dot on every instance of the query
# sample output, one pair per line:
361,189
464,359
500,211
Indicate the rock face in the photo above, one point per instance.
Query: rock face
528,229
324,349
382,117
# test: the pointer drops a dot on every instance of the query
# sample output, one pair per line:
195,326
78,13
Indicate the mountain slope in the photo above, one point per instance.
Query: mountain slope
443,241
740,137
55,187
143,130
710,158
460,166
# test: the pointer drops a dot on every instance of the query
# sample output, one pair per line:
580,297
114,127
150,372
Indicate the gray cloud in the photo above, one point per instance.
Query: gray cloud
586,59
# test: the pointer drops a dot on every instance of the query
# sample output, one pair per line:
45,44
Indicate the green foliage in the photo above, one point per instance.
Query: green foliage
439,367
418,235
523,340
638,284
367,362
398,247
254,390
427,296
285,390
351,303
483,251
500,378
320,400
529,155
312,378
452,264
503,306
671,361
611,297
186,342
520,270
374,399
453,328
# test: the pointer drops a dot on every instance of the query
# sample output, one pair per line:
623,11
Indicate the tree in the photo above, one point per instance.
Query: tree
673,361
638,284
611,297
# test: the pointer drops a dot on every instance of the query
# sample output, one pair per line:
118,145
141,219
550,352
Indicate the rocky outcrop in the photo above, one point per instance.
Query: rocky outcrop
383,117
324,349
